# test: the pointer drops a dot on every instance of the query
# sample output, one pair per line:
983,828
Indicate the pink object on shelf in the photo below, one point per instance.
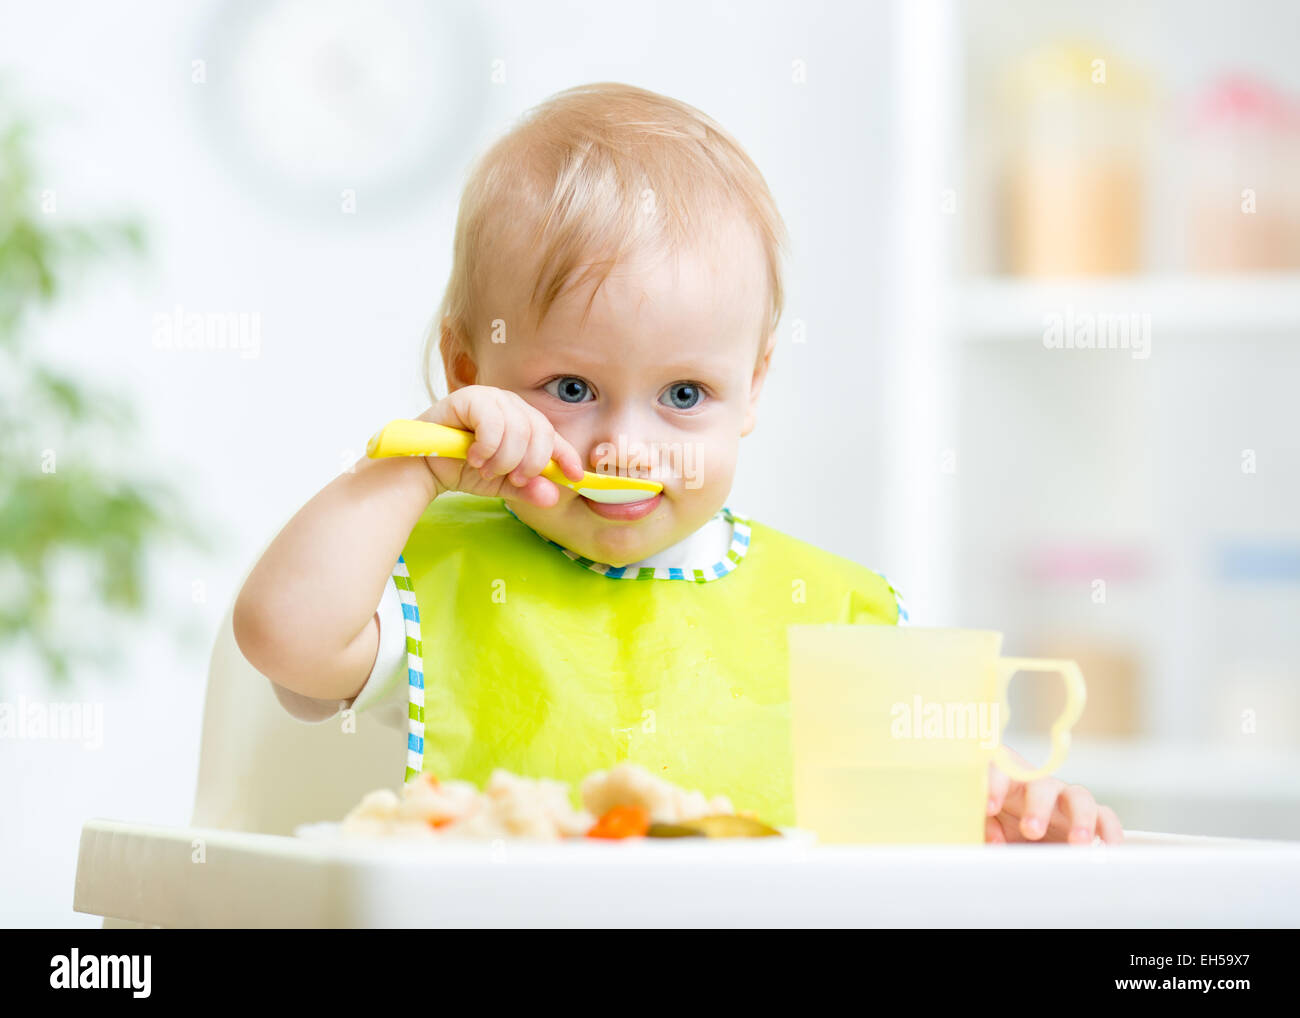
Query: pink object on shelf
1239,98
1080,562
1242,168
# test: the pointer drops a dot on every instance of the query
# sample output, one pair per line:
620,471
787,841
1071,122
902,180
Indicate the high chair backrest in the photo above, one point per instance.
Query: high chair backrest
262,770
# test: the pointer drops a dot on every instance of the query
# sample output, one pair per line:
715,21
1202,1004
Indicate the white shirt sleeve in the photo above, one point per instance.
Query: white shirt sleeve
384,692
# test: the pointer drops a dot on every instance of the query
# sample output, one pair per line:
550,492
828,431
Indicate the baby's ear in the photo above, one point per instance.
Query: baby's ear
765,359
457,362
756,385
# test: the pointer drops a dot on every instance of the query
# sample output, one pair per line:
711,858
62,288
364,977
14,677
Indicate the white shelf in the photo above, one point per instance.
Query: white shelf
1173,770
1247,305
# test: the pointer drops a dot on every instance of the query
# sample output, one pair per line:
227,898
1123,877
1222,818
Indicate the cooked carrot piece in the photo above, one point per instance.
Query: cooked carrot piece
622,822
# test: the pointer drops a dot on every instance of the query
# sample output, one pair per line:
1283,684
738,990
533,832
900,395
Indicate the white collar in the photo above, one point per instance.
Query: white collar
698,550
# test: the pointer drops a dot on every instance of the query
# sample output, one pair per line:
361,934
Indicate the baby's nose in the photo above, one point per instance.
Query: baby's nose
623,456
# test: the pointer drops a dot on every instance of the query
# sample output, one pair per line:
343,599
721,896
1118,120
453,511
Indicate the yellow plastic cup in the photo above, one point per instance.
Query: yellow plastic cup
894,729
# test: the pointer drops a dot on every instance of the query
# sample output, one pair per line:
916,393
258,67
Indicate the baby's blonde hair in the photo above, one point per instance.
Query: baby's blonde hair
572,183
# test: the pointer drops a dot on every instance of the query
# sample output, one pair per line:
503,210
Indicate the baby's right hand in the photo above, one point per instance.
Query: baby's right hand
513,442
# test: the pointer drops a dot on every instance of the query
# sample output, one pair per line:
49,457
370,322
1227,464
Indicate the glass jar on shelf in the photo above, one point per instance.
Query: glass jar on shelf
1241,183
1076,129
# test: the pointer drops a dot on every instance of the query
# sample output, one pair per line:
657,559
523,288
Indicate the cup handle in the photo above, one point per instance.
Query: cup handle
1075,697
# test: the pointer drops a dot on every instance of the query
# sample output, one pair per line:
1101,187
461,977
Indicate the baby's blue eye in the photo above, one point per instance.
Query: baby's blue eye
571,390
683,395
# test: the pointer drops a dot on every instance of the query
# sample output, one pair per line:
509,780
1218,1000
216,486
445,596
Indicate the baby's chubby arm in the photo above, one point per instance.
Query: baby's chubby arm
305,617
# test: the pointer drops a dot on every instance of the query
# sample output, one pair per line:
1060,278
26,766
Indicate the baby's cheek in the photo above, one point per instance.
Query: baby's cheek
710,470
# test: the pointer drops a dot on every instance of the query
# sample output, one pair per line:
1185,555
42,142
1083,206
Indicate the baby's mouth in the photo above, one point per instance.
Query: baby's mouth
624,511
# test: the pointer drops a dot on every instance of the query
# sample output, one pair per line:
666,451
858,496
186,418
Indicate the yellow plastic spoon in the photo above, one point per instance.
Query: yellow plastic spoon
424,438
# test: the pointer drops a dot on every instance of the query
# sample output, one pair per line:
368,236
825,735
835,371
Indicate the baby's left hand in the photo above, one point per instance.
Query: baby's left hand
1026,811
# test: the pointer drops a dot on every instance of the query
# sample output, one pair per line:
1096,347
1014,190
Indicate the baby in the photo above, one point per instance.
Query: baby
613,304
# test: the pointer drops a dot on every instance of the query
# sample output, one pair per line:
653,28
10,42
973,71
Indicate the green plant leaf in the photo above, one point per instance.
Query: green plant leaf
106,523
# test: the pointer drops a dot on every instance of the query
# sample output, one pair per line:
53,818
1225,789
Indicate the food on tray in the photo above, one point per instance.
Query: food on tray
621,822
628,784
723,825
508,807
627,801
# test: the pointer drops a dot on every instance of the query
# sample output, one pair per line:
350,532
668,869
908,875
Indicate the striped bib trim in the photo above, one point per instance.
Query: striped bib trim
414,671
740,531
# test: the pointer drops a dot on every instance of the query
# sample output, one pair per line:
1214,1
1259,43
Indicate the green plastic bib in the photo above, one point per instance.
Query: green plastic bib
527,657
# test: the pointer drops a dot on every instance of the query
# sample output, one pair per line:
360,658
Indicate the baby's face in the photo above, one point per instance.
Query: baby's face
661,381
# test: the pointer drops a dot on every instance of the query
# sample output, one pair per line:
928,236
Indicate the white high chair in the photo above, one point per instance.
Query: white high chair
262,770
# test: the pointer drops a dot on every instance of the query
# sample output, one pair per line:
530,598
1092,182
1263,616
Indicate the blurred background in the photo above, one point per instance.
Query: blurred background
1040,348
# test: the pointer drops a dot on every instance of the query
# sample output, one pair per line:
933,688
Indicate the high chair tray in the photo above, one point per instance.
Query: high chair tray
202,877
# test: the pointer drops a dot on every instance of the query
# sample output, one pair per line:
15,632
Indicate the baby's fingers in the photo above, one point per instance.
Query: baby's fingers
486,420
1110,830
567,457
541,492
1040,800
1002,784
999,785
538,451
515,441
1080,809
546,444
